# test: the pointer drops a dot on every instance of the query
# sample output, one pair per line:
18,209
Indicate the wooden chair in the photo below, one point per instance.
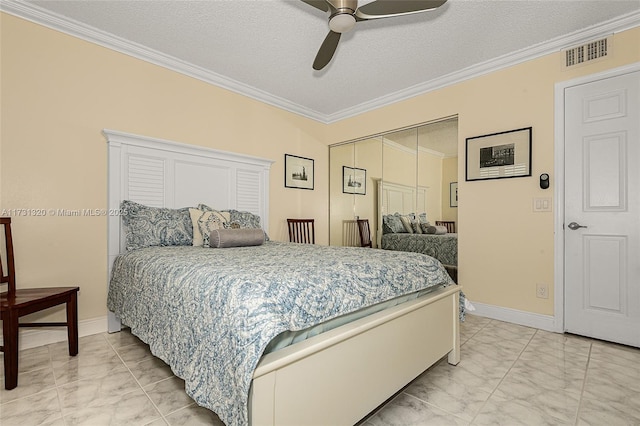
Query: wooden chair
302,231
15,303
365,233
450,225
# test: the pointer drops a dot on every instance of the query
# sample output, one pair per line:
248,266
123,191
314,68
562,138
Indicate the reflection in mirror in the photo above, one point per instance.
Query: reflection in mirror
368,163
405,171
340,204
354,169
397,190
438,168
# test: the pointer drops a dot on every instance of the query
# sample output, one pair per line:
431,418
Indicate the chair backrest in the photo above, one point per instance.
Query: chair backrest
10,277
365,233
450,225
302,231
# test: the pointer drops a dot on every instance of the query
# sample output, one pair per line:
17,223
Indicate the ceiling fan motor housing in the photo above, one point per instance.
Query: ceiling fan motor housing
343,19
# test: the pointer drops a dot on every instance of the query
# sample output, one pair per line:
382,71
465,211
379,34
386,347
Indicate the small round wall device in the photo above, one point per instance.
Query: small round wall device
544,181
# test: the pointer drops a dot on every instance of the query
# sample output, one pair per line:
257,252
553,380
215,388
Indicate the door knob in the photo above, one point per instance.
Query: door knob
573,226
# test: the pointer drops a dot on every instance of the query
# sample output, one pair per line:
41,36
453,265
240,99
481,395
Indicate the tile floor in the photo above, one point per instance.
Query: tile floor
508,375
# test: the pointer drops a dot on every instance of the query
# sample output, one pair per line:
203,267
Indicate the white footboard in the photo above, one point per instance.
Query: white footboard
340,376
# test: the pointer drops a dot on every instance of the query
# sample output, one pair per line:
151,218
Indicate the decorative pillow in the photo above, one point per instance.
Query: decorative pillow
425,228
416,226
422,217
430,229
155,226
440,230
244,219
239,219
391,224
406,222
437,230
223,238
205,207
204,221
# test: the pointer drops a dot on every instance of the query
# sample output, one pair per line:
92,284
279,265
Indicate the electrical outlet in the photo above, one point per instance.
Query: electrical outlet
542,291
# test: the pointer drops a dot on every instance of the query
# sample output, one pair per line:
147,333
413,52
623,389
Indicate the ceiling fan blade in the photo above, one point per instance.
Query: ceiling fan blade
318,4
327,50
387,8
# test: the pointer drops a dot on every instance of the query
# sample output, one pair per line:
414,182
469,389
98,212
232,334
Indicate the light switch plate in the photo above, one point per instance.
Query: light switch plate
542,204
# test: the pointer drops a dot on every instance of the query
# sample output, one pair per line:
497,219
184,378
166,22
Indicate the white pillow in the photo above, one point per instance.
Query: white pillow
206,221
406,222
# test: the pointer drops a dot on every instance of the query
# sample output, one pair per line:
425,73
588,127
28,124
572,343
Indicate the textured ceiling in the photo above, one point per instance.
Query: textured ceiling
266,47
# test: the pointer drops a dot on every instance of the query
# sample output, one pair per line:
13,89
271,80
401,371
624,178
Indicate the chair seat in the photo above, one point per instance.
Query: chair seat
15,303
35,298
24,302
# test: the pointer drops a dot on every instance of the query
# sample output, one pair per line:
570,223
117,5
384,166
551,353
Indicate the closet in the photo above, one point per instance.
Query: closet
410,170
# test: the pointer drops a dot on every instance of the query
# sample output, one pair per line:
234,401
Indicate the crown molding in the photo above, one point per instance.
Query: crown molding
434,152
603,29
43,17
91,34
397,146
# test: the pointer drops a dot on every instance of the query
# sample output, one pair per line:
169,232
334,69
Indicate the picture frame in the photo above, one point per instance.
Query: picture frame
453,194
499,155
354,180
298,172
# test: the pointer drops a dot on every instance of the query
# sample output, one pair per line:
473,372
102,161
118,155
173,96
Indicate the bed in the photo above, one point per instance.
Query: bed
443,247
312,381
403,224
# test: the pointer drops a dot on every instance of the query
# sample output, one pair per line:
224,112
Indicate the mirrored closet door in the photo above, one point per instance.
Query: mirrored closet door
355,167
408,171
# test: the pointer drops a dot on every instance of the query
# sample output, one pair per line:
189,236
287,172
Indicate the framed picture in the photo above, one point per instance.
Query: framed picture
499,155
453,194
298,172
354,181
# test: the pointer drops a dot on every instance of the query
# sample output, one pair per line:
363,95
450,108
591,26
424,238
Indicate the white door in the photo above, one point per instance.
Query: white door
602,211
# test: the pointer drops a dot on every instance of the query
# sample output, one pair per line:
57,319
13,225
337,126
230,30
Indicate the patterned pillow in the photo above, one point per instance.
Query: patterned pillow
416,226
155,226
244,220
204,221
391,224
239,219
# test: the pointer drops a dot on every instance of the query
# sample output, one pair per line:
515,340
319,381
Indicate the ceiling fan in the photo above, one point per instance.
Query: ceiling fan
343,15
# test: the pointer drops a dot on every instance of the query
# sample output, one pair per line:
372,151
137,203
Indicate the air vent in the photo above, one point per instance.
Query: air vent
587,52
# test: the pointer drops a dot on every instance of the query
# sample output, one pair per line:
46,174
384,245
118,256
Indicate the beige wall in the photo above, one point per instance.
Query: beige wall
504,248
59,92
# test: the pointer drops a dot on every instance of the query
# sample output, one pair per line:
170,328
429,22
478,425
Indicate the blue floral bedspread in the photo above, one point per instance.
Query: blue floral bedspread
210,313
442,247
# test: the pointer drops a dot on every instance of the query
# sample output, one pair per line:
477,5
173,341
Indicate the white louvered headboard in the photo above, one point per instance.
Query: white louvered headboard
161,173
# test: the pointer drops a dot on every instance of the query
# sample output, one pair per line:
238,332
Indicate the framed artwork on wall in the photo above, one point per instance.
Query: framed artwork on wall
453,194
499,155
298,172
354,181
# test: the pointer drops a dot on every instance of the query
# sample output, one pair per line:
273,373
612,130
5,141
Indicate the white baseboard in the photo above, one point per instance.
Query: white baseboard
31,338
528,319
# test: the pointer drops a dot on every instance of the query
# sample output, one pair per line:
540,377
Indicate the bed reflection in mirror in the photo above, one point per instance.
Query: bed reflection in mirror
408,173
